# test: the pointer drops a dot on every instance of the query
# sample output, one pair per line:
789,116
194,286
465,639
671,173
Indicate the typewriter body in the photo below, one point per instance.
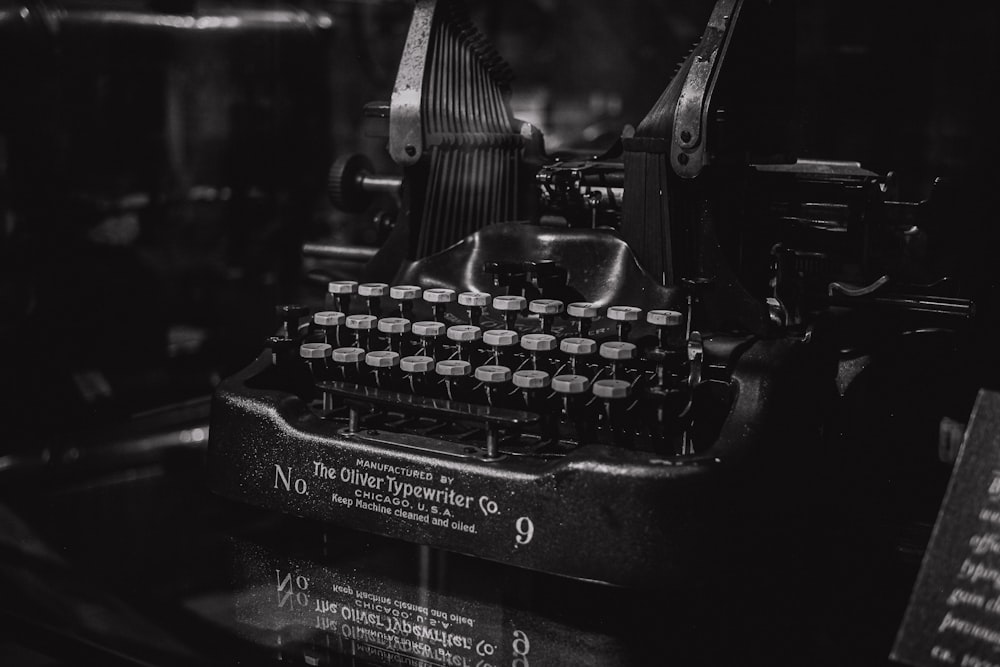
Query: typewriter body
612,367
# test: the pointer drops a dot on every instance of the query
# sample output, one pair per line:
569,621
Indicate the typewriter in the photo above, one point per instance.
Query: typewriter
614,367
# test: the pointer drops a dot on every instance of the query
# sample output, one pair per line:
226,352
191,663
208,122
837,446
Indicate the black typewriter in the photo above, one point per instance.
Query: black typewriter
615,367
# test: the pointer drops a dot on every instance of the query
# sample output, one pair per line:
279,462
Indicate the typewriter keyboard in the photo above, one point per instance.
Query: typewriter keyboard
500,375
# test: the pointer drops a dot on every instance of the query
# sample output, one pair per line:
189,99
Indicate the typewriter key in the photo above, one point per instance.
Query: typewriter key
510,307
546,309
624,316
373,293
452,371
474,303
532,385
318,356
406,295
502,342
577,349
614,392
616,352
383,361
465,336
666,322
349,361
341,291
428,333
330,321
539,345
362,326
493,378
394,328
572,389
439,297
582,314
416,368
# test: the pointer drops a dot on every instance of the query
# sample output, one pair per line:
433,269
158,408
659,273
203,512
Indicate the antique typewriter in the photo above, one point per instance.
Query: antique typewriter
614,367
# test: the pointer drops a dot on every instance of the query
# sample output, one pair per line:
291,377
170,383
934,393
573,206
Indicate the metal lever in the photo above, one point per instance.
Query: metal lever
493,418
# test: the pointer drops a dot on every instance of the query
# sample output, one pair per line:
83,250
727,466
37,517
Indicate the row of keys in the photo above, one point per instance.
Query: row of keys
508,306
491,375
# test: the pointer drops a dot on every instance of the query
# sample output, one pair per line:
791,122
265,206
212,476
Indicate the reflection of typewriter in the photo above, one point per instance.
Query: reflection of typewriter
612,389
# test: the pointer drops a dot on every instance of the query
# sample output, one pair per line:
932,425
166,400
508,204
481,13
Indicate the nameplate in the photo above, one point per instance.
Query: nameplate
954,613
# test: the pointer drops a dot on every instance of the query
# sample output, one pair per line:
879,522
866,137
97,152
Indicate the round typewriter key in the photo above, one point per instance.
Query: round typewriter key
406,295
416,364
538,342
539,345
613,392
476,299
577,348
493,374
451,371
500,337
624,313
509,307
349,359
474,303
531,379
618,350
500,340
394,328
315,350
330,321
664,321
546,306
362,325
464,333
373,293
342,287
439,297
612,389
341,291
531,384
570,384
348,355
492,378
624,316
546,309
428,332
572,388
582,313
372,289
405,292
417,368
394,325
382,359
453,368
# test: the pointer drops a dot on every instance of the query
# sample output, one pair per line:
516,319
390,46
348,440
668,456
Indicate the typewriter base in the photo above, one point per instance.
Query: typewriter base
601,513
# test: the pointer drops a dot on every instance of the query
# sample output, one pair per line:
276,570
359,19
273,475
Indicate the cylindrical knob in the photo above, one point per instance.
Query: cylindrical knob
382,359
348,355
493,374
439,295
341,290
464,333
531,379
624,313
394,325
500,337
538,342
315,350
570,384
618,350
578,346
453,368
509,307
583,313
416,364
611,389
474,299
